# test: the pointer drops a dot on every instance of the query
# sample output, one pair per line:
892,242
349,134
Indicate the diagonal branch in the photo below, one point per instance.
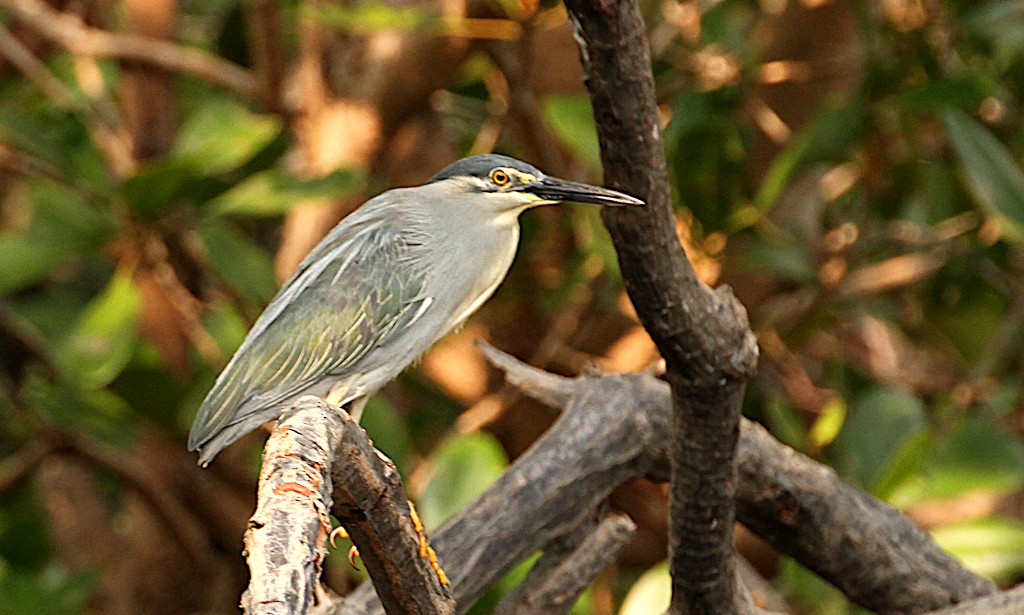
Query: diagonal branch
69,31
702,334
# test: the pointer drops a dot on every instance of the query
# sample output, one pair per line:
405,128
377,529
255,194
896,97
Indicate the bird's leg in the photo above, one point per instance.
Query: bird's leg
426,551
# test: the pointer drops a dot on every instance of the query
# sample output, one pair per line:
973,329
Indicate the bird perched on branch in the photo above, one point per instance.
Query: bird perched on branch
386,283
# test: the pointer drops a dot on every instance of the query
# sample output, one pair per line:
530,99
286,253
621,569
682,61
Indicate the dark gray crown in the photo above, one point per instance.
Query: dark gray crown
481,165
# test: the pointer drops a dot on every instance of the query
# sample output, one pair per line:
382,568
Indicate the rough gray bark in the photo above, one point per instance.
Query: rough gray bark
285,544
370,503
702,334
313,447
868,549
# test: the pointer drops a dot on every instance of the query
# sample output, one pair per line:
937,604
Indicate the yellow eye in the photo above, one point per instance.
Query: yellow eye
500,177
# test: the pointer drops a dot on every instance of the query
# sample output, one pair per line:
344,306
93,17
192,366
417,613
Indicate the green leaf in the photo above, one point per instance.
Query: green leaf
53,591
826,139
571,118
274,192
976,456
221,135
461,469
881,423
25,260
829,423
389,432
652,593
103,338
993,547
992,176
936,94
244,266
62,227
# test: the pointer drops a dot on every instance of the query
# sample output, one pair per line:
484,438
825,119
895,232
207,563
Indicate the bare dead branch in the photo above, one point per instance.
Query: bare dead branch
597,443
286,542
703,335
555,588
69,32
370,503
868,549
314,446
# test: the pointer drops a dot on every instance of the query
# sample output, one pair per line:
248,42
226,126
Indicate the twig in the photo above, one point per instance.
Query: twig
286,542
20,465
553,590
69,31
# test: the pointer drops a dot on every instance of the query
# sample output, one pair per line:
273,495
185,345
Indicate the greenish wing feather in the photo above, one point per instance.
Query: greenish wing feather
320,325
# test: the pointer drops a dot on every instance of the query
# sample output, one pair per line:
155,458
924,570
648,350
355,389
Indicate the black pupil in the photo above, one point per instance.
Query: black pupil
500,177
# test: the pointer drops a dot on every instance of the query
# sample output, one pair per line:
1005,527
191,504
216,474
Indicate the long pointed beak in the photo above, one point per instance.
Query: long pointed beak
555,190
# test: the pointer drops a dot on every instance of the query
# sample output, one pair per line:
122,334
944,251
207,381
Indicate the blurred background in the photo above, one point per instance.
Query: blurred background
851,169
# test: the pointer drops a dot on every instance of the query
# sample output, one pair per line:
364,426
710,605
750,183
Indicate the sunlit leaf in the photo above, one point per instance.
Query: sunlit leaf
652,593
880,423
222,134
975,457
829,422
103,338
572,121
460,470
274,192
992,176
992,547
244,266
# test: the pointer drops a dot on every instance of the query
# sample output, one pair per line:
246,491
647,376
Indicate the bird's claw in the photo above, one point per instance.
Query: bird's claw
336,533
353,553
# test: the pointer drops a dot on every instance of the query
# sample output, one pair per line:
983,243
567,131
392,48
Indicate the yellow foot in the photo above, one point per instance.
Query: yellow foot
353,553
426,551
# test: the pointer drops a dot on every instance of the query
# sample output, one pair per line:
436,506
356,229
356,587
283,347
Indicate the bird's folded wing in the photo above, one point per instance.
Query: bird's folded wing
350,296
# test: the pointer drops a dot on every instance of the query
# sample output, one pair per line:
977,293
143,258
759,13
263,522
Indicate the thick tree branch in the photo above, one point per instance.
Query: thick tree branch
286,542
868,549
315,446
370,503
616,428
702,334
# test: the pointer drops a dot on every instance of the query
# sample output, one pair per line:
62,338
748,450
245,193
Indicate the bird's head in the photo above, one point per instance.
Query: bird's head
508,184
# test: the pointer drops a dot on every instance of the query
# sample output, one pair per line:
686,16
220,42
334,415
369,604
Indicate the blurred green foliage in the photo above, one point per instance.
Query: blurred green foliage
930,134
